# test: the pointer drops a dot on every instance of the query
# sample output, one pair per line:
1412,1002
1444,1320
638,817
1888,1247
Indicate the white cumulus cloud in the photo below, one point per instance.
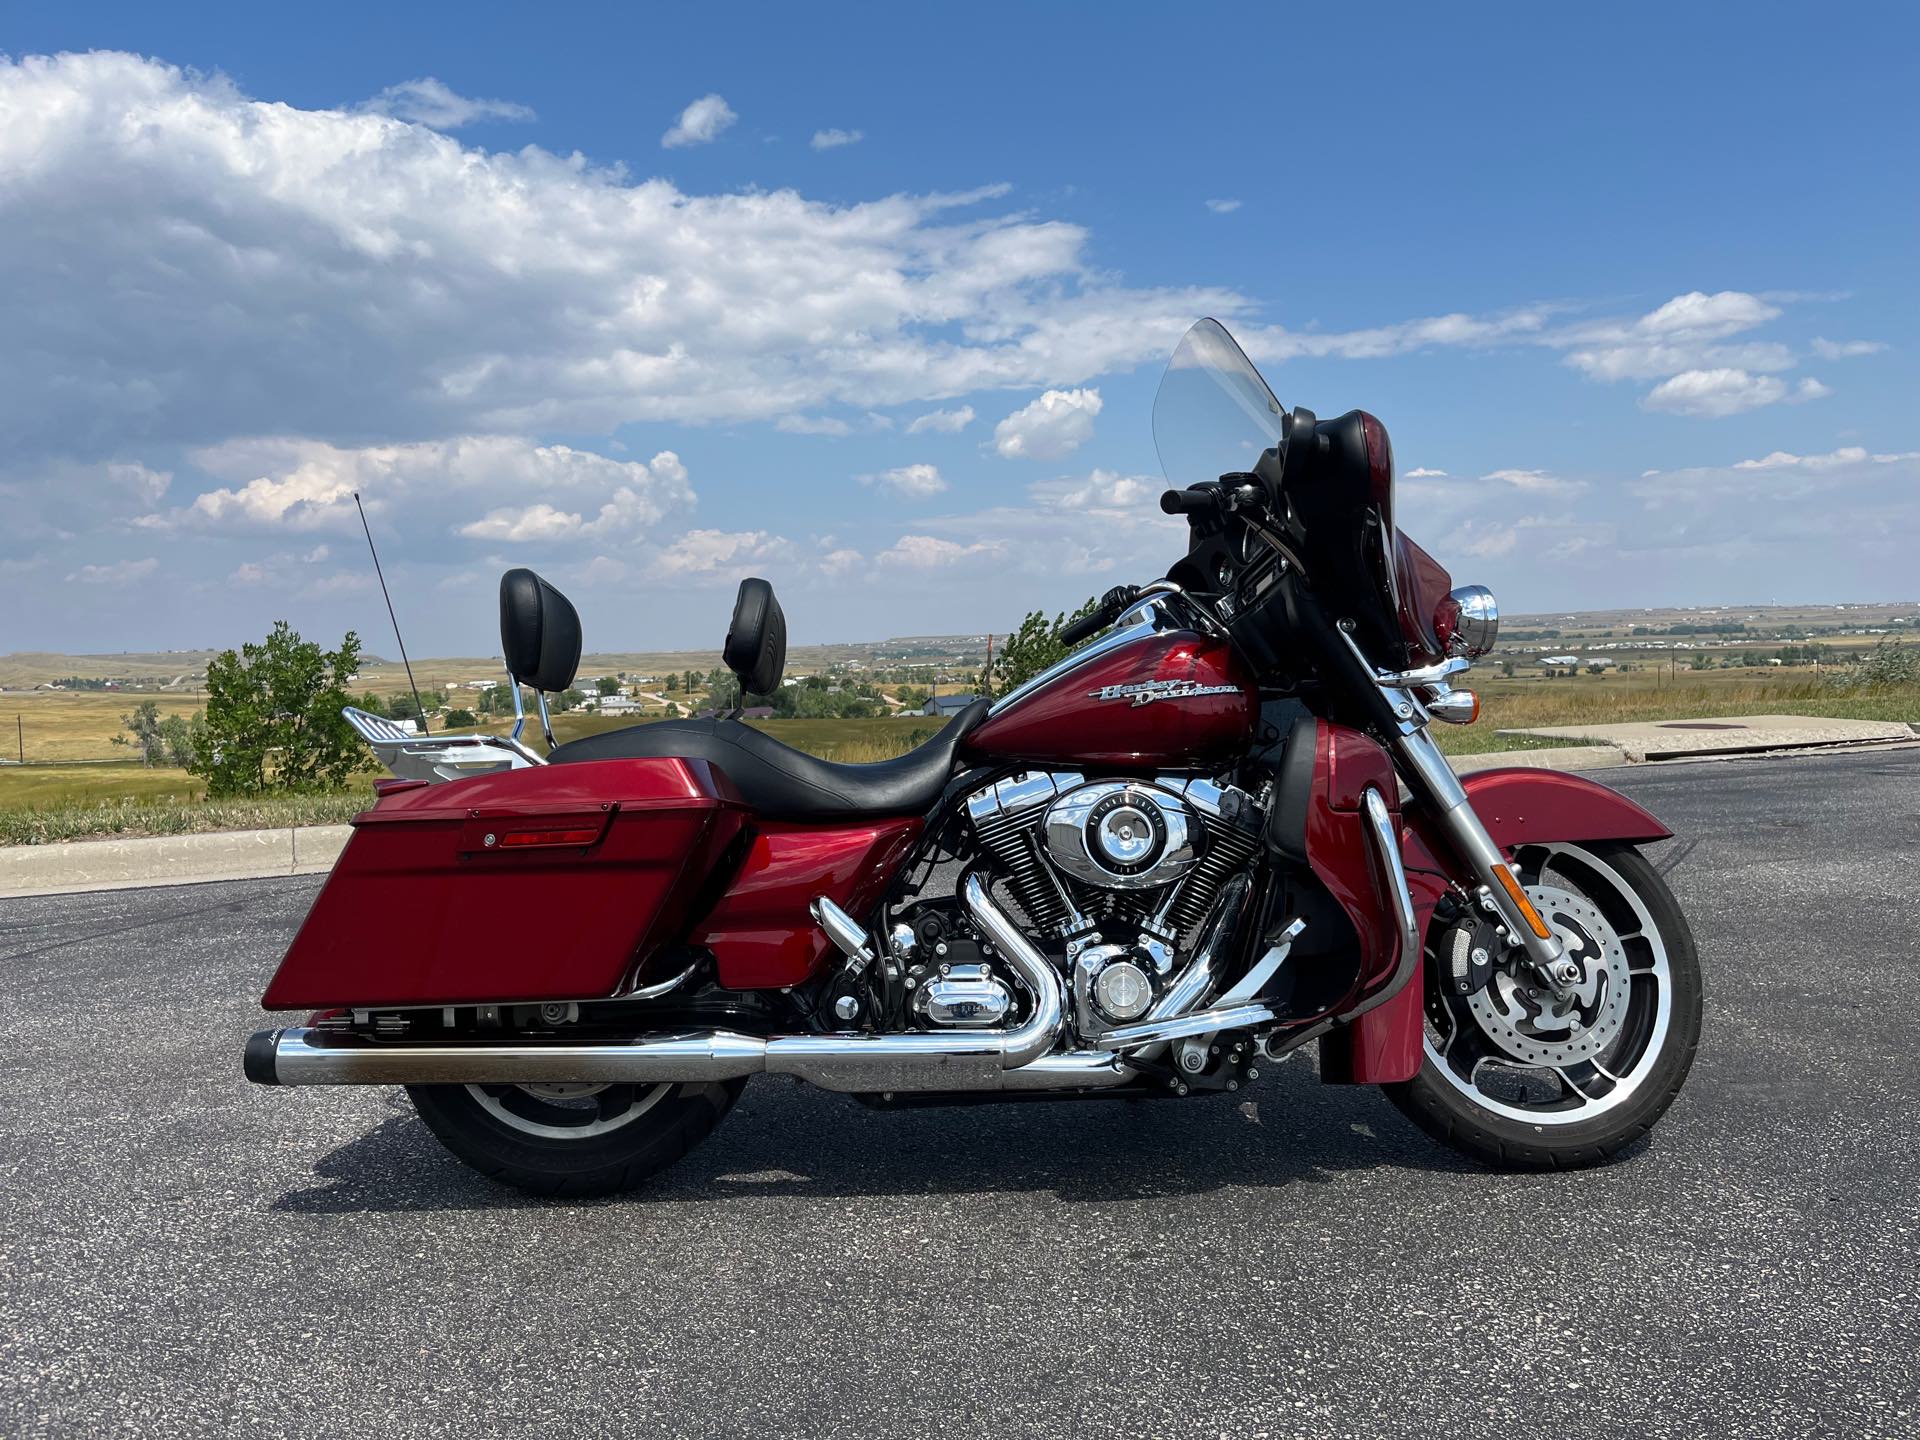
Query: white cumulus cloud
1223,207
1846,349
1714,394
721,553
1535,482
917,481
834,139
812,425
929,552
700,123
433,103
164,239
307,485
1056,424
942,422
119,572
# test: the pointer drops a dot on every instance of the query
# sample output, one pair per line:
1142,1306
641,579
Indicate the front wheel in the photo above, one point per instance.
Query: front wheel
1524,1078
572,1139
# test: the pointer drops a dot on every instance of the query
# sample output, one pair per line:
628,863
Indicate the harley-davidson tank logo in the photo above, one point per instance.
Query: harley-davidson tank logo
1149,691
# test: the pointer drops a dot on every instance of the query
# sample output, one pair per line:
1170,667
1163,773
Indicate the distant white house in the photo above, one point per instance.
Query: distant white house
1559,659
613,705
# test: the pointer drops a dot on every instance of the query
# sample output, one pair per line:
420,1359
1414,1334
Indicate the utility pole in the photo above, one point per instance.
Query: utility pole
20,735
986,675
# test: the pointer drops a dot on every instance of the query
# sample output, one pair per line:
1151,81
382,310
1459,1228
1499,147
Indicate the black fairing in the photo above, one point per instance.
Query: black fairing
756,648
1326,499
1341,518
539,632
1293,792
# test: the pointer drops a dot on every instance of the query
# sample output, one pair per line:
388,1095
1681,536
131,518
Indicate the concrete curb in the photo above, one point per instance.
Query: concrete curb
75,865
1558,757
1667,740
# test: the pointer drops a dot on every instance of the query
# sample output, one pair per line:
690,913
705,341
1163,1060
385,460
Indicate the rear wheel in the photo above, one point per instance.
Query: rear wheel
573,1139
1521,1077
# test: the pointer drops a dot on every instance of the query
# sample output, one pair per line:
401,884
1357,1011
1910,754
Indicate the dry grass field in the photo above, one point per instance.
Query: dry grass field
72,725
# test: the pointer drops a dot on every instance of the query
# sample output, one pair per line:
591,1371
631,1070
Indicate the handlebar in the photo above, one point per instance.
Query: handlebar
1102,615
1191,501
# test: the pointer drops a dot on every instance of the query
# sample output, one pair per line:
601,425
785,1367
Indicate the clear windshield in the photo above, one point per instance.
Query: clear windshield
1214,415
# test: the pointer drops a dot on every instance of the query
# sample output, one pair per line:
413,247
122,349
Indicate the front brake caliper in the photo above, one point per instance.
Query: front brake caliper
1466,953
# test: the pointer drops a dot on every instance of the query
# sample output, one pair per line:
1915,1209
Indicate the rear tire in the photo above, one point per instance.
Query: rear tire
1483,1088
573,1140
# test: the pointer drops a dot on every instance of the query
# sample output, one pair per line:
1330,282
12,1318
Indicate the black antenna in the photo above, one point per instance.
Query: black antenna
419,709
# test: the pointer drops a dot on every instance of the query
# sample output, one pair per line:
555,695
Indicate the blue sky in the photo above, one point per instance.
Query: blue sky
1639,284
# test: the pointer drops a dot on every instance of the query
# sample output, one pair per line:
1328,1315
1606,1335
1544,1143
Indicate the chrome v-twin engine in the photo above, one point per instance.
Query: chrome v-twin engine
1121,872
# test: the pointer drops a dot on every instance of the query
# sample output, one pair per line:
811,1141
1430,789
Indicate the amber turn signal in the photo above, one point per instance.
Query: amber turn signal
1456,707
1519,898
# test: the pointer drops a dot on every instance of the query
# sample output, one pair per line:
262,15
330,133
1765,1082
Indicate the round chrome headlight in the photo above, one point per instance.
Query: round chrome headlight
1475,621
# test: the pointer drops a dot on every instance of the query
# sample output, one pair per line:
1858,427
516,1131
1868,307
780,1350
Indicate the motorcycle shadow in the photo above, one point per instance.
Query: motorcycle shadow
785,1139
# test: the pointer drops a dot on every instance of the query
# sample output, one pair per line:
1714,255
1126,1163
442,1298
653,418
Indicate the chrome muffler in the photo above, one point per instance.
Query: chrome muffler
1015,1059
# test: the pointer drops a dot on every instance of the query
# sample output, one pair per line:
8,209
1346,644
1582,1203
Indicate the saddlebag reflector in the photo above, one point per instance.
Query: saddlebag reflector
546,883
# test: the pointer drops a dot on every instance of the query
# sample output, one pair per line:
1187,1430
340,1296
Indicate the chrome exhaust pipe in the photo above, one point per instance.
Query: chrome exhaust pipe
856,1063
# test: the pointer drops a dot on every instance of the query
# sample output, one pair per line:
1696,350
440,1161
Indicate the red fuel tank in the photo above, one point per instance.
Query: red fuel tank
1166,699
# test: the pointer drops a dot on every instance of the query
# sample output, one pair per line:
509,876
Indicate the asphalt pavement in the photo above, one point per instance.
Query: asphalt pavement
184,1254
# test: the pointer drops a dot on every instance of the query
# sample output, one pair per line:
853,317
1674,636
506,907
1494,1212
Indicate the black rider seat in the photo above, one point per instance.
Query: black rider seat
541,635
782,783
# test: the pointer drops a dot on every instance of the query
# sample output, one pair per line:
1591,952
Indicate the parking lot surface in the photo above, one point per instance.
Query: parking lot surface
184,1254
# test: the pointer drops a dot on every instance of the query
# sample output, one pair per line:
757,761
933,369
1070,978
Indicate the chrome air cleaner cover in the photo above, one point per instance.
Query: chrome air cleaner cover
1121,835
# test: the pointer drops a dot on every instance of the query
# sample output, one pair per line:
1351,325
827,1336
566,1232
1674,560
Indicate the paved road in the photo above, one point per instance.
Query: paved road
182,1254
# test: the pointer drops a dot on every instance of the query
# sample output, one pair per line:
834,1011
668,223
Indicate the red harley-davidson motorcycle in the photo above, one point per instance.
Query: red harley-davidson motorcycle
1216,832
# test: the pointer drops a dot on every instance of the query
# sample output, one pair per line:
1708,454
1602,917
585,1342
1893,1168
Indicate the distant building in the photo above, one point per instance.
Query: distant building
945,705
616,705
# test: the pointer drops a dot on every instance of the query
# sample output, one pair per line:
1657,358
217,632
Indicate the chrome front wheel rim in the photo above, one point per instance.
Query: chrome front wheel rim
1525,1053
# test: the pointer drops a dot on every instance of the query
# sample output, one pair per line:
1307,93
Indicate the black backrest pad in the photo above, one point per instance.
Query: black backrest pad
756,647
539,632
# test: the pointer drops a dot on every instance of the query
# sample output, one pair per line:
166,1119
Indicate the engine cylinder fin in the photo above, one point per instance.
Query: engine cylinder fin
1229,849
1010,840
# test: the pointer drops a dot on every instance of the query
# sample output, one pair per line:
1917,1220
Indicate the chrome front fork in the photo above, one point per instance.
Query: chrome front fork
1499,887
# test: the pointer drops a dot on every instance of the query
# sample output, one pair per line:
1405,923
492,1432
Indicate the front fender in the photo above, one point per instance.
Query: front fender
1519,807
1528,807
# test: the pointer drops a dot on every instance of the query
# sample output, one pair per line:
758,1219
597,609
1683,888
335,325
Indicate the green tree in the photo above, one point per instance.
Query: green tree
607,685
183,739
402,706
912,698
273,717
1029,650
143,732
673,683
461,719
